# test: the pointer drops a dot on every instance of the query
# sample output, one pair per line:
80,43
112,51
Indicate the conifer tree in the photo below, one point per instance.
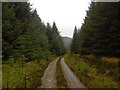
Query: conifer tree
24,34
100,32
74,46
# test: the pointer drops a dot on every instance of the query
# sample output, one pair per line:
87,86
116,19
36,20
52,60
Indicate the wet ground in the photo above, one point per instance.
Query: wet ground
49,77
72,80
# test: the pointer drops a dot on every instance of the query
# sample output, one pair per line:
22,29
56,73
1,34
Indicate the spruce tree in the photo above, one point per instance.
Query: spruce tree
100,32
74,45
24,34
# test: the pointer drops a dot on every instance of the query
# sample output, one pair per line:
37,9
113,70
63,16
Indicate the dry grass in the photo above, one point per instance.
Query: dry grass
26,76
61,82
111,60
88,74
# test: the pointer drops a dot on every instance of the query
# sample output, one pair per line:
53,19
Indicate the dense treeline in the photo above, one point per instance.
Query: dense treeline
25,35
100,32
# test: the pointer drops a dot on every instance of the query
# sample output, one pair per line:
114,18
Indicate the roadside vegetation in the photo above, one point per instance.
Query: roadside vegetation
1,75
28,45
96,47
23,75
61,82
94,75
26,75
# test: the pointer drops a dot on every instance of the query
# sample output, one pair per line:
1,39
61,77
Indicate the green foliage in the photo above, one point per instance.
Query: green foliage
79,65
99,34
28,45
83,68
104,81
88,74
11,27
0,77
27,75
12,74
24,34
74,46
55,40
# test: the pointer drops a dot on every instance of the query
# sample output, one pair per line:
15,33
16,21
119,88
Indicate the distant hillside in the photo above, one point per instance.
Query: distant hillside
67,41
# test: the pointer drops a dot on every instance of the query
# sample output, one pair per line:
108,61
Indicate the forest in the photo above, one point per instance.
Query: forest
25,37
99,34
97,44
29,46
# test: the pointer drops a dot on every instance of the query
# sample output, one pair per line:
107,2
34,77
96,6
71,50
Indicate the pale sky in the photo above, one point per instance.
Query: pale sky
66,13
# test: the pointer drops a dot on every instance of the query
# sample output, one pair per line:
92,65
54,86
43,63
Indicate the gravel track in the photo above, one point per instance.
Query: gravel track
72,80
49,77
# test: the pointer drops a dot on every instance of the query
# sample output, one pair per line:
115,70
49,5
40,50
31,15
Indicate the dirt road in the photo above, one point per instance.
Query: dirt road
72,80
49,77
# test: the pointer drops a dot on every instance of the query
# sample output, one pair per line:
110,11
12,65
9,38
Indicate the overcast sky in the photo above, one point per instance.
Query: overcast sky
66,13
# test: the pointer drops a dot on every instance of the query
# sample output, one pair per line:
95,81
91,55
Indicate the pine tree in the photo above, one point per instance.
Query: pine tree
74,46
57,46
24,34
11,28
100,32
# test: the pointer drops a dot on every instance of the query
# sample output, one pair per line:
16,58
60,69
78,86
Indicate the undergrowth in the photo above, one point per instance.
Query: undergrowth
61,82
17,74
91,76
